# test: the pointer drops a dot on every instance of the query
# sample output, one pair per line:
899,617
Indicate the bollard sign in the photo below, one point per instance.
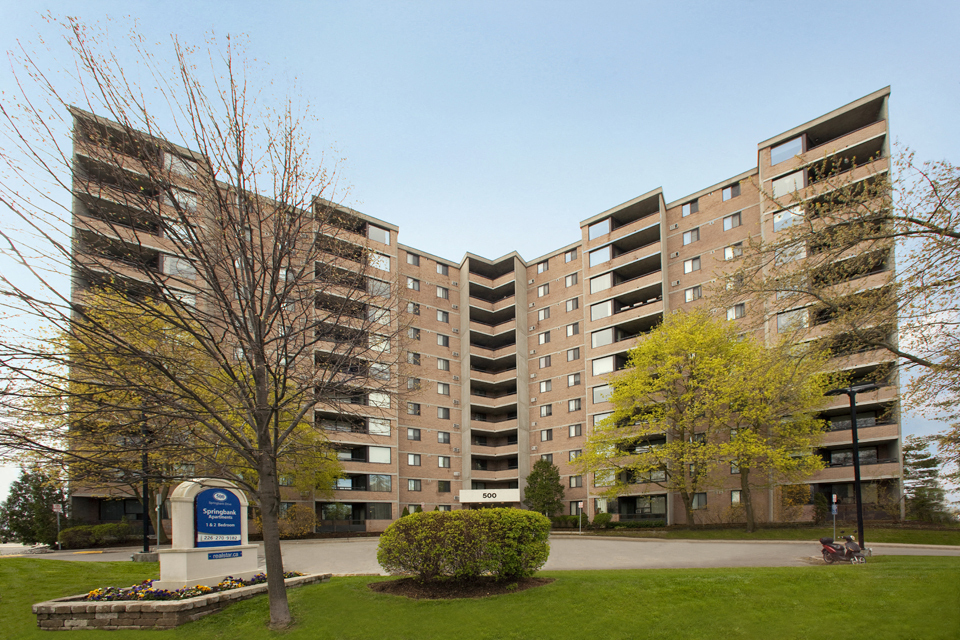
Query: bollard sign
218,515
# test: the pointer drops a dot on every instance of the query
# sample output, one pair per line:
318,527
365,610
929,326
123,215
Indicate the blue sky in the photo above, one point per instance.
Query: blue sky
497,126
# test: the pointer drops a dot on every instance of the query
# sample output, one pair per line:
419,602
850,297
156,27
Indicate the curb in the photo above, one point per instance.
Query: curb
895,545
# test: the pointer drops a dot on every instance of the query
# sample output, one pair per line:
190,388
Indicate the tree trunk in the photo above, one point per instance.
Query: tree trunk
746,498
688,508
155,517
269,490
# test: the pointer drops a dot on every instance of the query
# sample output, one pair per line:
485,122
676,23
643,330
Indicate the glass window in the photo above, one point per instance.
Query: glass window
573,379
546,435
575,453
413,357
413,308
413,485
443,292
543,314
443,316
546,386
603,337
378,426
700,500
379,261
443,486
600,283
600,417
735,495
786,150
443,388
792,320
543,290
731,222
378,288
691,265
413,408
443,364
602,366
733,252
442,340
443,437
443,462
544,337
691,236
443,413
379,455
576,481
789,183
413,383
573,304
378,234
573,405
544,362
573,329
693,293
576,430
731,192
601,255
690,207
601,310
736,311
413,259
598,229
543,266
546,410
570,280
787,218
378,482
789,253
413,283
413,333
413,459
443,269
570,256
547,456
379,511
573,354
602,393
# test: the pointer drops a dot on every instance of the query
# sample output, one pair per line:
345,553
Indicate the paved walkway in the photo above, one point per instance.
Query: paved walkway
568,552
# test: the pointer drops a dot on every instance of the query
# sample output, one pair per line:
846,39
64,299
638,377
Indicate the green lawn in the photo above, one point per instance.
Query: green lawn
889,597
871,534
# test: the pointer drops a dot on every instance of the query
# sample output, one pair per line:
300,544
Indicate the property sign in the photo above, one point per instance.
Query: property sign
218,516
58,508
489,495
221,555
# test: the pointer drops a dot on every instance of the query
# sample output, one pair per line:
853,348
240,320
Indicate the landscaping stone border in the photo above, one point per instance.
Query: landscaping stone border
73,612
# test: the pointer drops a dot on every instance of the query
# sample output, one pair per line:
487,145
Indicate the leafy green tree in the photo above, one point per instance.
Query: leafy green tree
924,495
544,492
27,514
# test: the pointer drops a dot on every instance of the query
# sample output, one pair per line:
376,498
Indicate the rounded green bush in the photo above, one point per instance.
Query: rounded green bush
504,543
602,520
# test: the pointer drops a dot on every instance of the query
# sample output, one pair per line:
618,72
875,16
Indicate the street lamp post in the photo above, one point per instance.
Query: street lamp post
852,392
145,496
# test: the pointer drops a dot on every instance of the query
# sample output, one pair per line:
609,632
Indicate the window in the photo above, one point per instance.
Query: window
413,259
443,413
413,333
570,256
791,320
544,362
731,222
380,371
544,337
601,283
443,437
601,310
602,393
443,292
576,481
786,150
378,482
570,280
788,184
573,379
414,308
413,357
789,253
413,459
734,469
443,486
598,229
543,314
576,430
543,290
413,434
573,329
379,511
285,480
575,509
691,265
378,234
735,495
546,435
736,311
413,408
574,454
573,354
442,340
413,283
443,269
443,462
546,410
443,364
543,266
693,293
691,236
600,256
378,427
573,405
733,252
690,207
787,218
413,485
443,316
731,192
378,288
547,456
603,365
573,304
603,337
443,388
700,500
413,383
546,385
379,455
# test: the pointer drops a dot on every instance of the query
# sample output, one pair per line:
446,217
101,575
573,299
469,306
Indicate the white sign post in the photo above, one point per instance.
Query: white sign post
209,518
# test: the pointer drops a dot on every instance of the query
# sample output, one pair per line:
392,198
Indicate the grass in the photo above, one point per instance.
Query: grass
901,597
871,534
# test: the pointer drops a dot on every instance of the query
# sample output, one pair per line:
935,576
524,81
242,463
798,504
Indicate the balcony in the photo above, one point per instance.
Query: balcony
498,427
642,243
865,433
883,468
501,475
824,143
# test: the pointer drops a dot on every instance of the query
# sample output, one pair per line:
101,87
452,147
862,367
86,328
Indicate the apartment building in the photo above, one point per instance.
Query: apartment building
507,361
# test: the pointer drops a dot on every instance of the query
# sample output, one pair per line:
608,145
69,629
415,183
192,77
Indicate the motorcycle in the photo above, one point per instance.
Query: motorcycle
847,552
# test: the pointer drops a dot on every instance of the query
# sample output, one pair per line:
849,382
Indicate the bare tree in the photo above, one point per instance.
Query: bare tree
220,298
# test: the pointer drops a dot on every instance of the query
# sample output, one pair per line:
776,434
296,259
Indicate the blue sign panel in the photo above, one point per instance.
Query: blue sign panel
218,514
220,555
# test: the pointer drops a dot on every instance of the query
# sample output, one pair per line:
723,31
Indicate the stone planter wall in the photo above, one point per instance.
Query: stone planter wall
74,612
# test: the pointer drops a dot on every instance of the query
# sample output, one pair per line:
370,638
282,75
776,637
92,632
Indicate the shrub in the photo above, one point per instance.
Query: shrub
95,535
602,520
821,508
405,512
299,521
640,524
505,543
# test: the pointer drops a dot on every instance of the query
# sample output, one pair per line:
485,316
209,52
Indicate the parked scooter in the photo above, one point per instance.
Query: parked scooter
848,552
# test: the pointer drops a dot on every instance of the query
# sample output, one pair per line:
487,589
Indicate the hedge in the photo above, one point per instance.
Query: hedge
504,543
95,535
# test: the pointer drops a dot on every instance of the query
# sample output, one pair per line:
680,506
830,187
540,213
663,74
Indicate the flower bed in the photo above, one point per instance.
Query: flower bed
145,590
148,612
